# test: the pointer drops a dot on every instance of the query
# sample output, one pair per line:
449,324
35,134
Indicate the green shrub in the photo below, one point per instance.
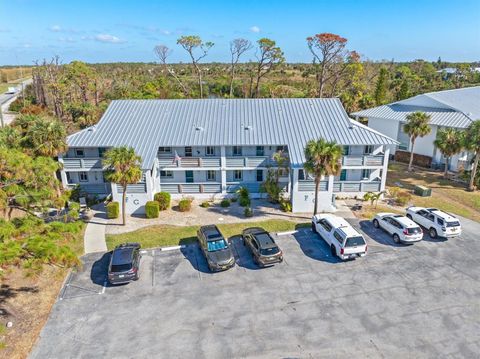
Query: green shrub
62,227
163,199
403,198
244,201
113,210
233,199
248,212
205,204
11,252
74,210
185,205
6,230
286,206
225,203
152,209
393,191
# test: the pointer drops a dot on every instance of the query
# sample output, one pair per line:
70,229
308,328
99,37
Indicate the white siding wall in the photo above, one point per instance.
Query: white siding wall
179,177
93,177
89,152
387,127
424,145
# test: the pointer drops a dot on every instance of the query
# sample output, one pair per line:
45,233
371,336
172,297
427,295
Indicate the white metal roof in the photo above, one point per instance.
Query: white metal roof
454,108
147,124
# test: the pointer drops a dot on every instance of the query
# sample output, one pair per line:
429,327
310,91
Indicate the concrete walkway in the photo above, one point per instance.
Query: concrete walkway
94,238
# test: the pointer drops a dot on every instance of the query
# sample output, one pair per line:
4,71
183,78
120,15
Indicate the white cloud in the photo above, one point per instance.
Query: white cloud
56,28
108,38
255,29
67,39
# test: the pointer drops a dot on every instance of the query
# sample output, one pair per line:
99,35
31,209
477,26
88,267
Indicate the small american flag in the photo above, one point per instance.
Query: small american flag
176,158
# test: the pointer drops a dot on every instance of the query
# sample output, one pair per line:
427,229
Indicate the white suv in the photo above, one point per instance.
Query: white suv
344,241
438,223
403,229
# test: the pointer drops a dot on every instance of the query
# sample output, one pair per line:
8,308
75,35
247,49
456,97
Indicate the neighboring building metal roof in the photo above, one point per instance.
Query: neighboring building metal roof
399,112
147,124
456,108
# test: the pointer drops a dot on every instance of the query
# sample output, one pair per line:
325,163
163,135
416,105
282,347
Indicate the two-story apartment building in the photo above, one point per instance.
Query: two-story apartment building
209,148
456,108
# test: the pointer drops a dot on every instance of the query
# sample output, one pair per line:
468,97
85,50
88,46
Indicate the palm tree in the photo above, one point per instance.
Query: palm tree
322,158
47,137
416,126
472,143
449,143
123,167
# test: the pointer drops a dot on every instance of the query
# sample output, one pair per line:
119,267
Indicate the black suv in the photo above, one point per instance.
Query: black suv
124,263
264,249
215,248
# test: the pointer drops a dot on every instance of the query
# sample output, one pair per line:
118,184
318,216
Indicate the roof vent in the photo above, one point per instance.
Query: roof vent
248,127
198,128
92,128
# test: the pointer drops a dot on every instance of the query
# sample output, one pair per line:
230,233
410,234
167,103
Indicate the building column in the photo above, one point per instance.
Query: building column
330,191
149,184
223,170
385,168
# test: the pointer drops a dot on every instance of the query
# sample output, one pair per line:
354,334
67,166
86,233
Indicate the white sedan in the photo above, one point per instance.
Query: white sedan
403,229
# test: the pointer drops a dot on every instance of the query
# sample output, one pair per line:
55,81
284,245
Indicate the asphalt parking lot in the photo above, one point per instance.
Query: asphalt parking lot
420,301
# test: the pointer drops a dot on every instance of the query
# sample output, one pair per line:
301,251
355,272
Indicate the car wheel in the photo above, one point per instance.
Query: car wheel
396,238
376,224
334,250
314,229
432,232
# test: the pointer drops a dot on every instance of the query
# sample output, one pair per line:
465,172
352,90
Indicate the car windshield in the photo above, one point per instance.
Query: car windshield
413,230
217,245
354,241
121,267
453,224
269,251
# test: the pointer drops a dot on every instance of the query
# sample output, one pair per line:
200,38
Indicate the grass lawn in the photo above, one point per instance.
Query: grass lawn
168,235
368,211
446,195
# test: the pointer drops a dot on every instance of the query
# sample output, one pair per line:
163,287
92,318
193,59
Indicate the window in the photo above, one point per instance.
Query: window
83,176
209,151
79,152
237,175
163,150
281,148
431,217
346,150
260,151
188,152
259,175
101,151
367,150
440,221
166,174
189,176
343,175
301,175
211,175
237,150
338,237
366,173
325,225
69,180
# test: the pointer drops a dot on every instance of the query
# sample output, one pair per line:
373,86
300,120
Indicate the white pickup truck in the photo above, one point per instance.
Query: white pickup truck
344,241
436,222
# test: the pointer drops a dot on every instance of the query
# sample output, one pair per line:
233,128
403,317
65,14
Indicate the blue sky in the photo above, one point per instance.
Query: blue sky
106,30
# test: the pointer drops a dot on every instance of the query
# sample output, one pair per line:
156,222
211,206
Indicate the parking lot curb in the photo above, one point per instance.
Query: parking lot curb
172,248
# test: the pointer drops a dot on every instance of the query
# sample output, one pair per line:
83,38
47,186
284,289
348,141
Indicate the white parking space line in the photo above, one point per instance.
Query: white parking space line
103,288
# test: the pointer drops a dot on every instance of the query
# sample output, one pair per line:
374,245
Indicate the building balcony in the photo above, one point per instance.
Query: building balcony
212,162
93,188
133,188
356,186
191,188
362,161
309,186
82,163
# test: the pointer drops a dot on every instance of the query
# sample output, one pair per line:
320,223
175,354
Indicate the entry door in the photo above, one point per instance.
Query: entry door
189,176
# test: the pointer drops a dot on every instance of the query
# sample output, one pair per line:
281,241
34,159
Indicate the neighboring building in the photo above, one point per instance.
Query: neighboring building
211,147
451,108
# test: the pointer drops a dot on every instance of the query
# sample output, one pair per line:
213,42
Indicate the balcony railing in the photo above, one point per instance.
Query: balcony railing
82,163
189,162
367,160
309,186
133,188
93,188
356,186
191,187
255,161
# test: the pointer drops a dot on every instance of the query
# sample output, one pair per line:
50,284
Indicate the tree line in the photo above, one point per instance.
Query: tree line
78,93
